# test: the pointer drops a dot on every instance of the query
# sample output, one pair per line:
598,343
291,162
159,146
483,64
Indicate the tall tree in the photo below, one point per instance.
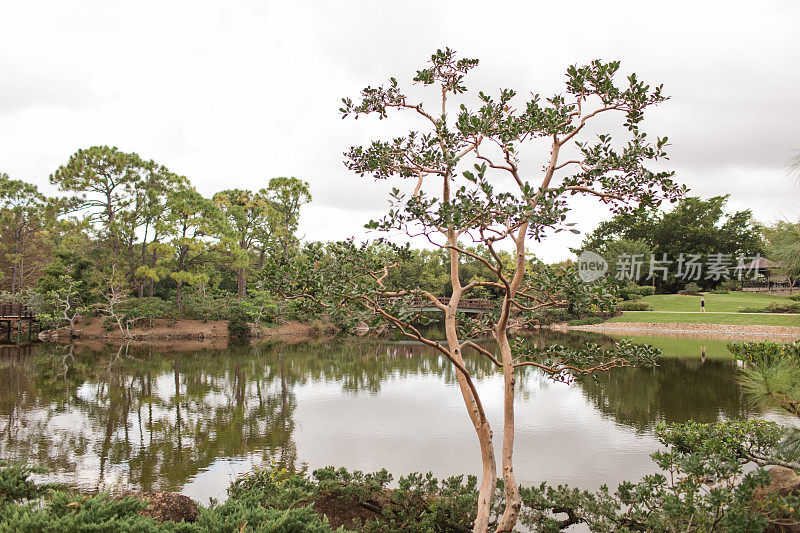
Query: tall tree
288,195
25,215
458,166
695,226
193,220
783,240
250,218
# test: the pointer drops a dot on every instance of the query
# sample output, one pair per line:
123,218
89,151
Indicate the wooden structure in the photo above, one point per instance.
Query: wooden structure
766,277
11,314
465,305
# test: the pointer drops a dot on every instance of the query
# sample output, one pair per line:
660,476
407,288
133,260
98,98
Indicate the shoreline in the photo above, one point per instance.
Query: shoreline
197,333
728,331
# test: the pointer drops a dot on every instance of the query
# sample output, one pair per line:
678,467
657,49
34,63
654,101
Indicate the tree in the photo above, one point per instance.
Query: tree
288,195
120,193
66,301
192,220
694,227
250,217
153,195
783,245
25,215
470,155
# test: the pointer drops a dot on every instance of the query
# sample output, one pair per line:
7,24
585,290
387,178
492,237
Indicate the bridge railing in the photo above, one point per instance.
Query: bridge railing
15,311
464,303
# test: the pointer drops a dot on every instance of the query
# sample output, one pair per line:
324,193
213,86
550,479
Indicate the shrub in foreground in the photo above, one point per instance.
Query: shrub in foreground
705,484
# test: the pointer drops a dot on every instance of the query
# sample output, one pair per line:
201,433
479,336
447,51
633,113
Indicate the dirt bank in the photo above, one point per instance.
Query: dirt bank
744,332
194,333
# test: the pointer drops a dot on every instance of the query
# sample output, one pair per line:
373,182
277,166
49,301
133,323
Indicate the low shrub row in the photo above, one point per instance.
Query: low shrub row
773,307
634,292
631,305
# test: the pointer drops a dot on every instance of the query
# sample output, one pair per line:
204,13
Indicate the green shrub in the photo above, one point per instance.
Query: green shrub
588,321
634,292
208,306
634,306
644,290
773,307
15,483
764,352
238,323
691,288
718,291
795,297
730,285
141,311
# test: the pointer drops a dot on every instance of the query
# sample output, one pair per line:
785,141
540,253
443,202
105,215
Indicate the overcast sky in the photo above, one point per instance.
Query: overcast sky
233,93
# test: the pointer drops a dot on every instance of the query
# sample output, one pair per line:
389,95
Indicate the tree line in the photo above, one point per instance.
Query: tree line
130,222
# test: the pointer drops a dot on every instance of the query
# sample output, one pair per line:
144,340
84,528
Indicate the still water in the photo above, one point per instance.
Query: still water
190,421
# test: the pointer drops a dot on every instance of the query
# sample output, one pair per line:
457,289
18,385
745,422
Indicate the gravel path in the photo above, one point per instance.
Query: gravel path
747,332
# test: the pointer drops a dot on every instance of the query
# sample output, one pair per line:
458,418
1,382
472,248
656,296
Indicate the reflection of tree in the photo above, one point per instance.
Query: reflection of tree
678,390
158,419
161,418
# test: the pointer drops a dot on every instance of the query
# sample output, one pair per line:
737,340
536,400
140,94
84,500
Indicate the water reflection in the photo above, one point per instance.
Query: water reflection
188,421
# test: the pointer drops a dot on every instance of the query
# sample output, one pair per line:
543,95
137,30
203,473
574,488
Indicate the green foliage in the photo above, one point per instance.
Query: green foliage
783,240
633,292
16,485
730,285
703,485
718,291
634,306
207,306
764,352
239,322
795,297
139,311
773,307
691,288
695,226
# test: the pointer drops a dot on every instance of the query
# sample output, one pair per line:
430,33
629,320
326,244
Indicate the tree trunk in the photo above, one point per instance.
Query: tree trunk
241,283
481,425
513,500
178,296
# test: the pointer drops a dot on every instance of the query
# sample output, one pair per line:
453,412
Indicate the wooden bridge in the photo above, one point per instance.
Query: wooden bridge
465,305
18,314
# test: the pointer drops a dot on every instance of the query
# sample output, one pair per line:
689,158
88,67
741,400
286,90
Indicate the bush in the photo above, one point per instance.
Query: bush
690,288
634,292
795,297
138,311
764,352
718,291
200,306
587,321
239,322
773,307
730,285
634,306
644,290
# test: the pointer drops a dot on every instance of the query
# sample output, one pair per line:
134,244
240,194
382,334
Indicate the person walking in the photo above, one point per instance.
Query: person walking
702,305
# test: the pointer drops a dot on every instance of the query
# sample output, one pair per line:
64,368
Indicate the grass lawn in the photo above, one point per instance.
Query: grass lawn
762,319
720,309
714,302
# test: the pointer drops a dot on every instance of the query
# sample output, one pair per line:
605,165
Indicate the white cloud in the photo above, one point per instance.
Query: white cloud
233,93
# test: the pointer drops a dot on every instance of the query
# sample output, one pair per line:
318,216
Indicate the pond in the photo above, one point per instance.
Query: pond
144,419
